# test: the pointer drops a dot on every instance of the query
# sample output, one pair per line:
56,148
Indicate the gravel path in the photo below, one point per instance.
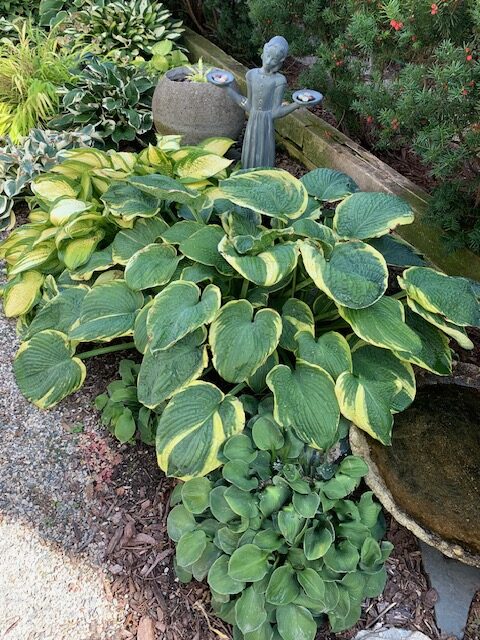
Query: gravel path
48,462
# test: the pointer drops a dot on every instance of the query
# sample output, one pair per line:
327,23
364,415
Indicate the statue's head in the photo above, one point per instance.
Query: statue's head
274,53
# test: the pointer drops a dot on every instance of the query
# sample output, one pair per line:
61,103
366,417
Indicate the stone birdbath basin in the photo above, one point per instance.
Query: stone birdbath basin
429,479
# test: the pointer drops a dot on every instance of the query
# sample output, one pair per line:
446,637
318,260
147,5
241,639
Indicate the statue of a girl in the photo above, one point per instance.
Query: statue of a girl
266,88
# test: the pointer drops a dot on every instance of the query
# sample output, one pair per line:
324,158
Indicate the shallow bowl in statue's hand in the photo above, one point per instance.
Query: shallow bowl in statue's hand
307,97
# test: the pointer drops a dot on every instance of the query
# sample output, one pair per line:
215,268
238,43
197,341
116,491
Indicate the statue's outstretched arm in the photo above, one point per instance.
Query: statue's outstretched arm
237,97
280,110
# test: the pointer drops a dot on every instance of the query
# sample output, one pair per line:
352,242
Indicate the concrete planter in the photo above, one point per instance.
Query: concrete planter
195,110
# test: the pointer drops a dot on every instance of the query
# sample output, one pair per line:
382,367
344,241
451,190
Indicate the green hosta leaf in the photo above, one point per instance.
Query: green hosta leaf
193,428
330,351
128,241
296,316
354,467
152,266
383,325
202,246
258,380
178,310
108,311
190,547
45,369
125,201
163,188
452,298
220,580
179,522
60,313
273,498
248,564
306,505
295,623
316,542
370,215
324,308
290,523
195,494
268,539
397,252
250,611
125,426
305,400
239,447
219,506
282,587
241,502
227,540
266,434
237,473
202,566
456,332
380,365
270,192
342,558
312,583
240,342
140,328
435,355
181,231
355,275
266,269
328,185
367,403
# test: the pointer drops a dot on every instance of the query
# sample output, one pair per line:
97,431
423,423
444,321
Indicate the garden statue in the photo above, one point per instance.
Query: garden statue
264,102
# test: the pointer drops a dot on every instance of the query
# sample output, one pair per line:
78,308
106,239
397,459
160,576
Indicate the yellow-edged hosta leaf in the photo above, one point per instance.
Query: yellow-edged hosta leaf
152,266
180,231
354,275
315,231
193,428
164,188
34,258
77,252
178,310
22,293
199,164
67,208
305,400
383,325
266,269
45,369
98,261
328,185
330,351
367,404
270,192
240,342
128,241
128,202
455,331
60,312
219,146
370,215
164,373
108,311
380,365
435,355
94,158
50,187
450,297
202,246
296,316
123,160
258,380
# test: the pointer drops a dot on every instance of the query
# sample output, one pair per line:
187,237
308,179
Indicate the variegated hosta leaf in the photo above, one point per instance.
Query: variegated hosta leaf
330,351
193,428
59,313
163,373
108,311
34,258
219,145
140,336
380,365
21,293
178,310
240,342
199,163
354,275
397,252
202,246
261,241
78,252
266,269
152,266
51,187
367,404
164,188
128,241
66,209
316,231
452,298
455,331
180,231
258,380
98,261
128,202
370,215
324,308
435,355
328,185
305,400
383,325
45,369
296,316
270,192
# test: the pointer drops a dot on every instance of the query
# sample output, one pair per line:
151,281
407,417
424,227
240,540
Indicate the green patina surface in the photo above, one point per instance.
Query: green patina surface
314,142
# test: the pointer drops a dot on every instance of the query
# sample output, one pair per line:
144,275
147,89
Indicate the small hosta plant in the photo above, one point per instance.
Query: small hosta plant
39,152
116,100
278,539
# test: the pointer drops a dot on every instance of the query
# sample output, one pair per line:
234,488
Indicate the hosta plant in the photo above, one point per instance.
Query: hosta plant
116,100
39,152
277,538
123,29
